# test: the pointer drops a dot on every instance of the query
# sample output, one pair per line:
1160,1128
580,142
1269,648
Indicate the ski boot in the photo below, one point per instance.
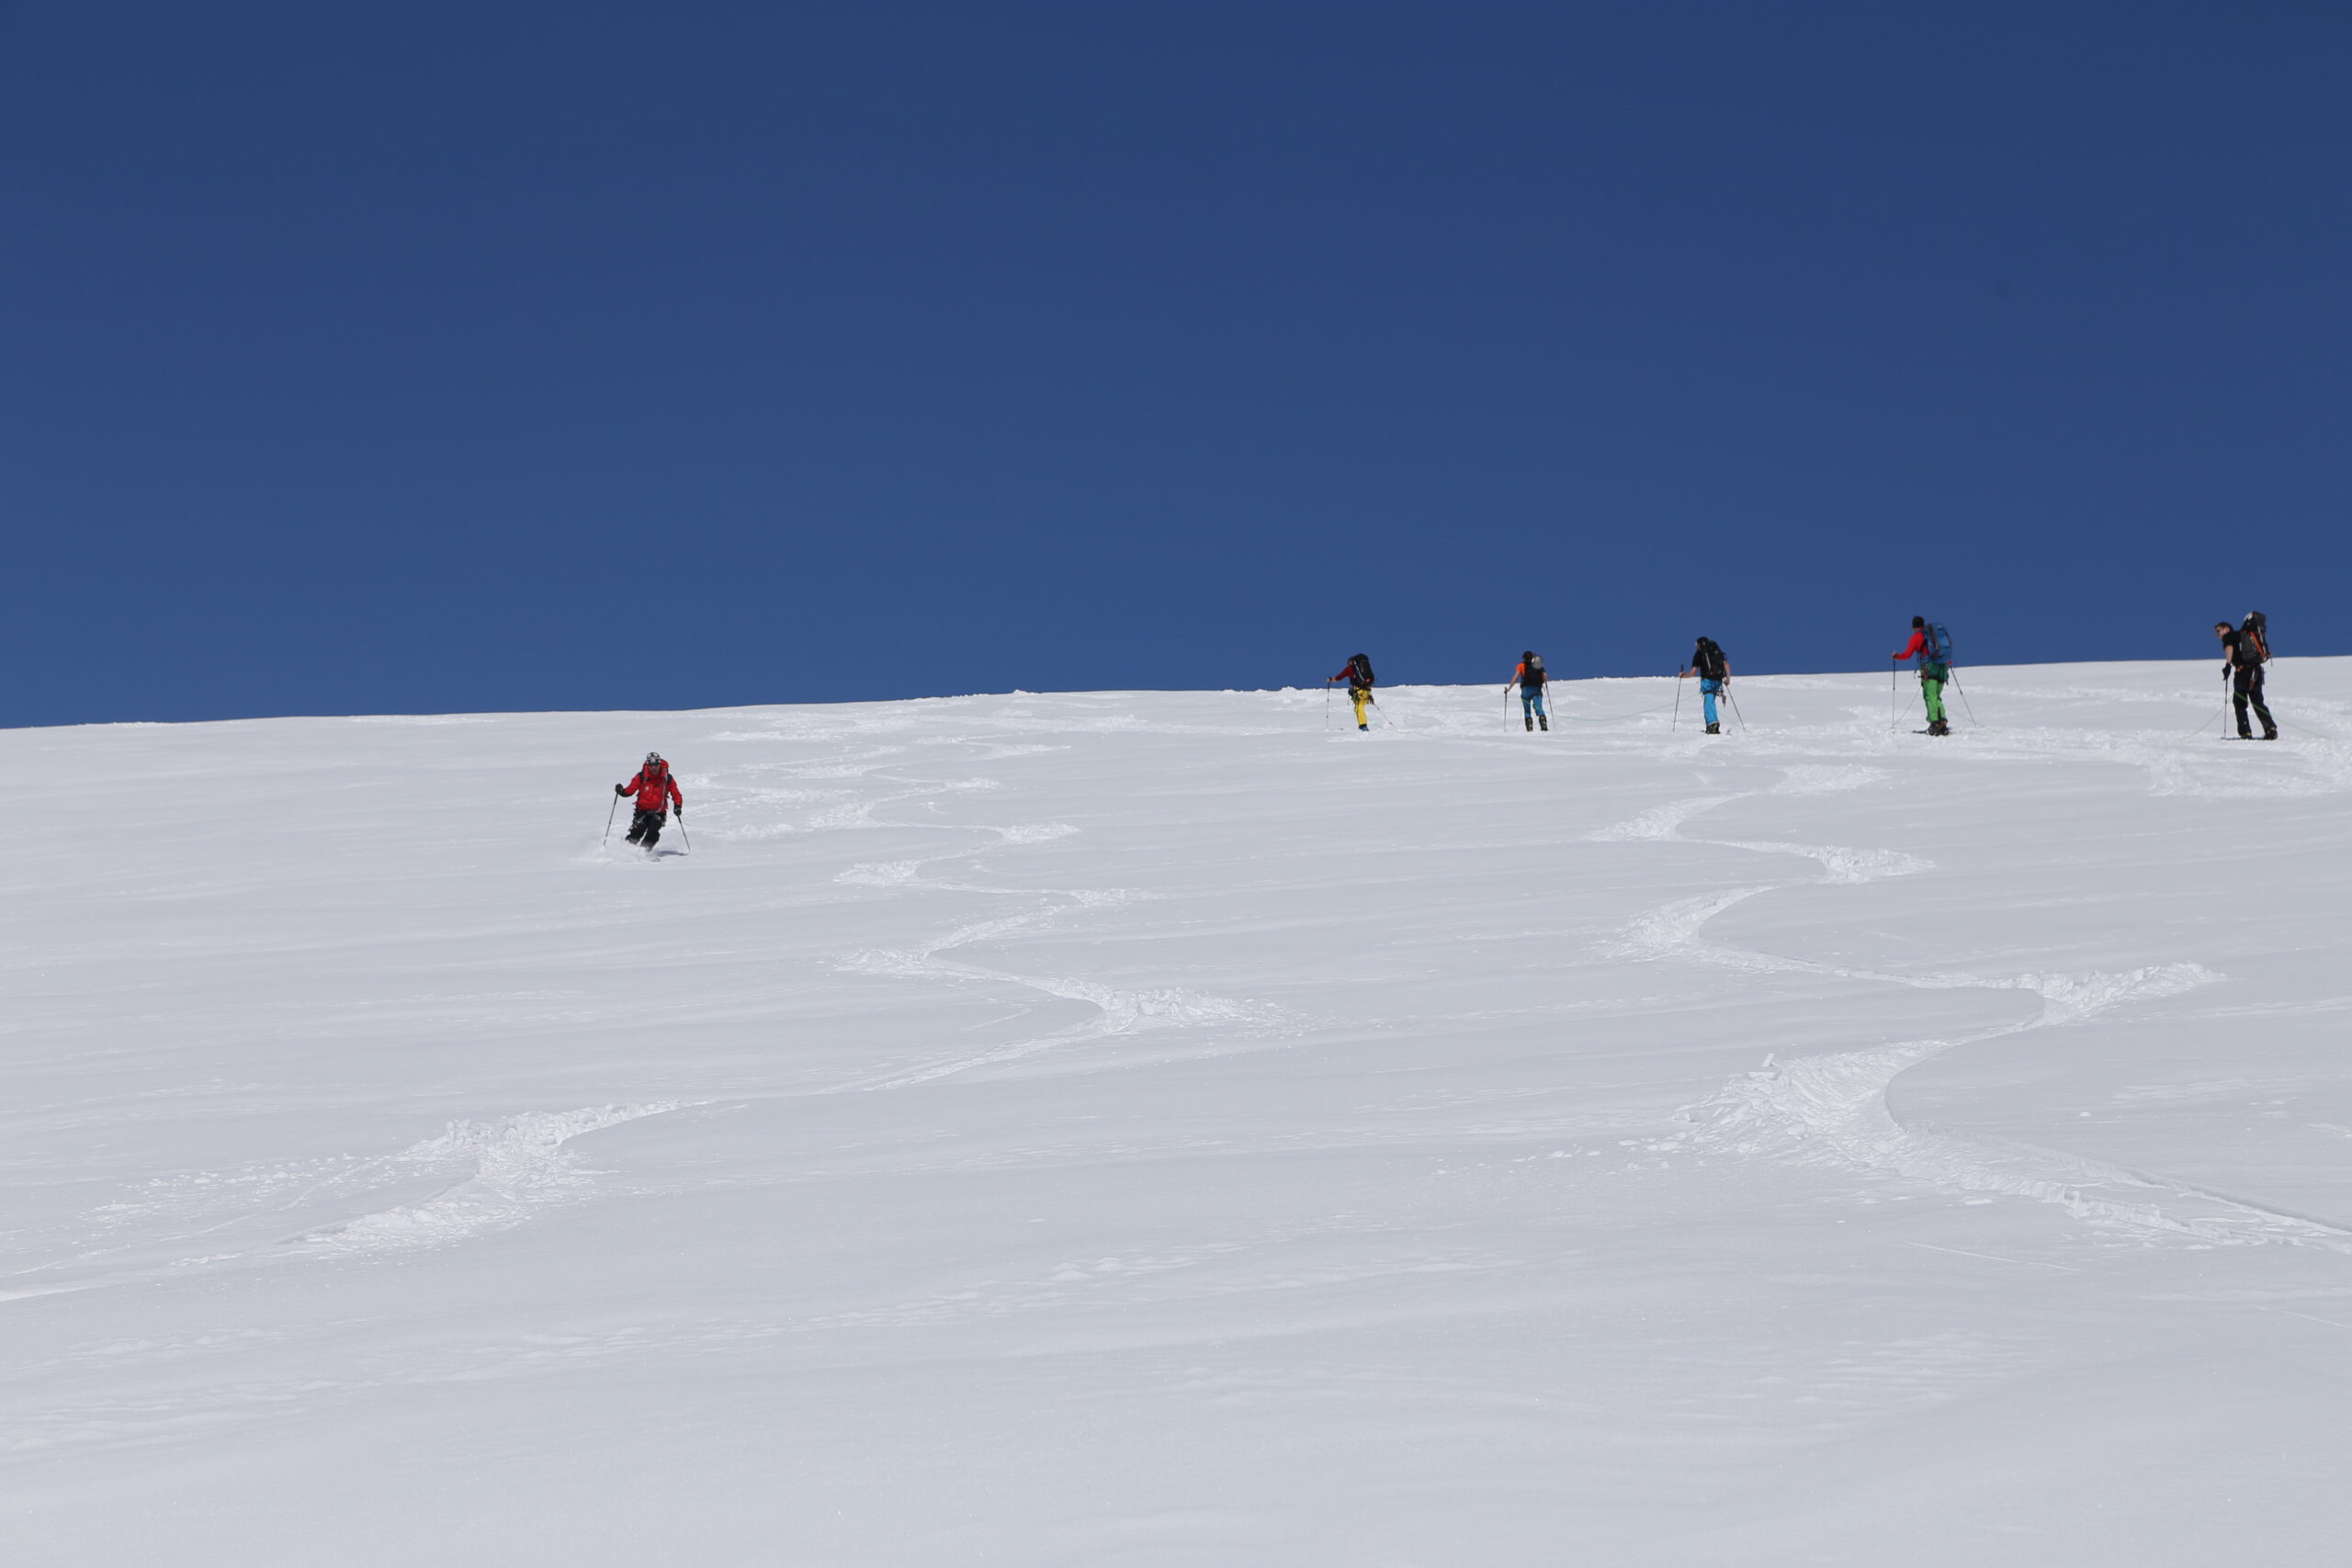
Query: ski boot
1531,725
1546,720
1940,727
1716,729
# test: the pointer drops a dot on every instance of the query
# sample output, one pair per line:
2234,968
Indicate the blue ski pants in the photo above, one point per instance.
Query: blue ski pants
1531,702
1707,690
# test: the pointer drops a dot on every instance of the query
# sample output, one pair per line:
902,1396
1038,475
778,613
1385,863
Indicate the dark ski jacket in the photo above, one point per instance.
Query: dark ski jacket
653,792
1357,675
1524,676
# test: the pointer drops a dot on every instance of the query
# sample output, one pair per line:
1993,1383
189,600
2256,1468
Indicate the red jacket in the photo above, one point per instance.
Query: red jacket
651,792
1918,640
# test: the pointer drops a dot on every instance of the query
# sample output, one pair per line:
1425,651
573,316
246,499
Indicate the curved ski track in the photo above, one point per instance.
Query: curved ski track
1118,1012
1833,1110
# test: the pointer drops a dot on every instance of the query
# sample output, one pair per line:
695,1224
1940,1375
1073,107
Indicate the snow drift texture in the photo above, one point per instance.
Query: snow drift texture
1163,1129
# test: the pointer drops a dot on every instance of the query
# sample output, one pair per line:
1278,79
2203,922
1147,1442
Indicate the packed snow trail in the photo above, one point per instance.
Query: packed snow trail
1154,1128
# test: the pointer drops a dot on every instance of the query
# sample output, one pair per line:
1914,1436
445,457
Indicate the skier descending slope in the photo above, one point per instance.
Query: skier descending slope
1707,662
655,790
1933,645
1357,673
1531,680
2244,653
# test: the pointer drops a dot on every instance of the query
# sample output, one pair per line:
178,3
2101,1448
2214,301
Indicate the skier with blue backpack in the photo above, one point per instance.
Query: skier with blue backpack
1933,645
1713,670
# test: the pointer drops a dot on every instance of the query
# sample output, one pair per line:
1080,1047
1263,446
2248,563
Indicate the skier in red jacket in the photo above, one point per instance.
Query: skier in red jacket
655,791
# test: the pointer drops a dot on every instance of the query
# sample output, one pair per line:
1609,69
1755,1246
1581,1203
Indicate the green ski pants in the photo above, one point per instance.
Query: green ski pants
1934,692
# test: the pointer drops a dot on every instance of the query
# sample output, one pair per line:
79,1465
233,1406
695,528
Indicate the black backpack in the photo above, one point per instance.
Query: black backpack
1362,668
2254,635
1708,660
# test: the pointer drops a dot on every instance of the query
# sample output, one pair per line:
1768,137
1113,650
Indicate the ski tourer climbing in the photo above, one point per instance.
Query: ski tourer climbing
1708,663
1934,649
2244,651
1530,680
656,791
1358,675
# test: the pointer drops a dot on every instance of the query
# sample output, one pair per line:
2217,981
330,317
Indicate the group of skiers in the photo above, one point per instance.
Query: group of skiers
1529,677
2245,650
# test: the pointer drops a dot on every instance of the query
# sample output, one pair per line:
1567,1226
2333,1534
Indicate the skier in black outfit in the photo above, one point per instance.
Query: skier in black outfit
2244,651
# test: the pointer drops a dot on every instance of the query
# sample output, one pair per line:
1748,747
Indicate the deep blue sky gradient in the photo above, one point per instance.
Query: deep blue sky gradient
520,356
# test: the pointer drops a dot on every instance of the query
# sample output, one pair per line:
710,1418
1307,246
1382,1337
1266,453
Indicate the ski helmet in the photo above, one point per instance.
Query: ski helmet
652,758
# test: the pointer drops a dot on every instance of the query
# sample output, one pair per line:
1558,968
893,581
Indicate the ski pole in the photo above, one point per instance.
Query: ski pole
1734,704
682,832
1966,706
616,811
1676,722
1892,717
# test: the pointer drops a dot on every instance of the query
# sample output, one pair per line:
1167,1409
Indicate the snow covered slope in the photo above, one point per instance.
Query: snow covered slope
1174,1128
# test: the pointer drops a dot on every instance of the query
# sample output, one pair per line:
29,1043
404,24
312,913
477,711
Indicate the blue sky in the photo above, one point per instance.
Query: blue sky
517,357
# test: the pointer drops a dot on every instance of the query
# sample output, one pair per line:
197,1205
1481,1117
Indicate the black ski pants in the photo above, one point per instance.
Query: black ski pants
645,827
2245,687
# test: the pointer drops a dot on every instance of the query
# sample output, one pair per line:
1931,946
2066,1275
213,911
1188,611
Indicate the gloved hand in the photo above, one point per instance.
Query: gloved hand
620,789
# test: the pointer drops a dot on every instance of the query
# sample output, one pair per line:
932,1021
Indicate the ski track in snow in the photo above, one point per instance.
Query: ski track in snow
1119,1012
1833,1109
521,1165
497,1175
